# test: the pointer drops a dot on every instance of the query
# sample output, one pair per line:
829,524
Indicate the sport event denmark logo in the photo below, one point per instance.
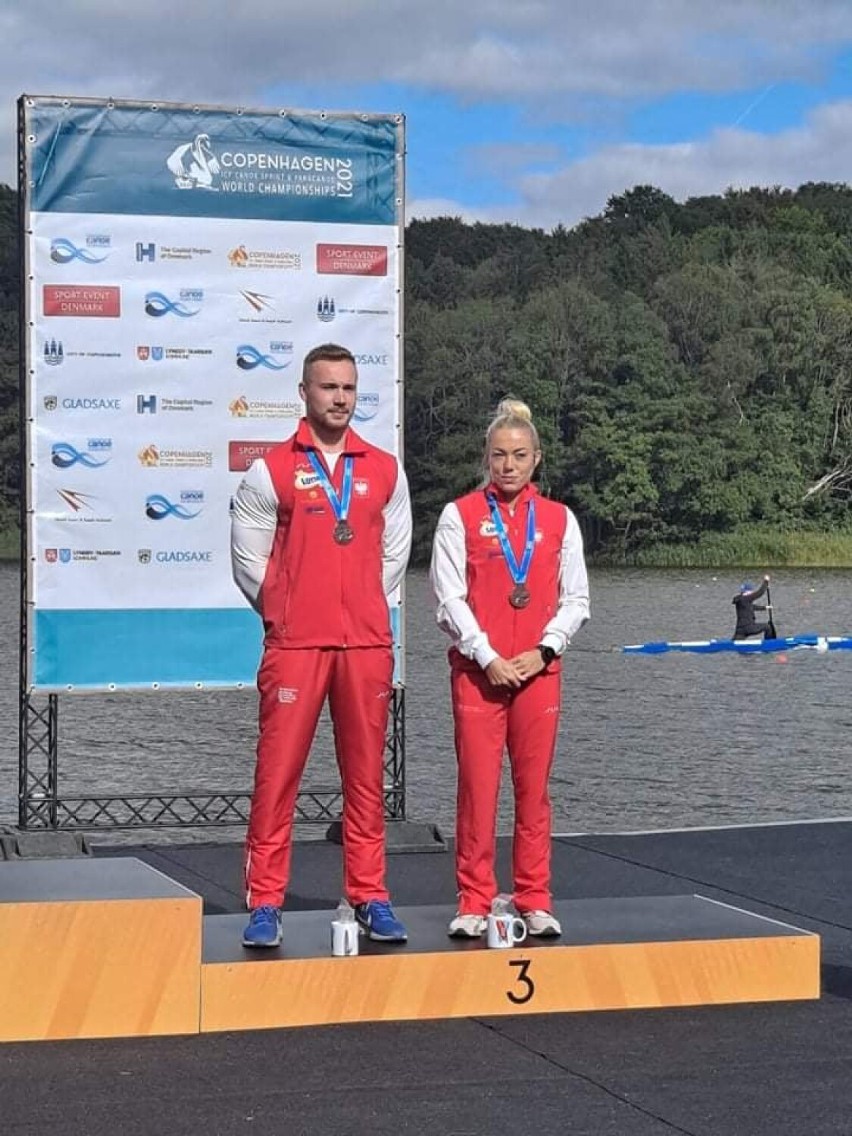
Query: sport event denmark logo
81,300
352,260
242,454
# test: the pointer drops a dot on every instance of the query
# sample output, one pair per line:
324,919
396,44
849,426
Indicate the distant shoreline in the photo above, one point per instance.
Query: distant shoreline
757,549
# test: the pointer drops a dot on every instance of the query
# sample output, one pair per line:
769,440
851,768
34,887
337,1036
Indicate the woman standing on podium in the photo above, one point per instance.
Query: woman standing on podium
510,580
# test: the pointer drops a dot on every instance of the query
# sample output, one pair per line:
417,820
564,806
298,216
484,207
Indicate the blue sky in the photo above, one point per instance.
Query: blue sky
534,111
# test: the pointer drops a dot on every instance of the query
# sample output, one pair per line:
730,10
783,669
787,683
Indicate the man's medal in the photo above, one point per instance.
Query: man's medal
519,597
343,532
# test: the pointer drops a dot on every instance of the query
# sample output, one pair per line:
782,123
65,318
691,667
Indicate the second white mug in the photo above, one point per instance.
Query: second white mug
505,931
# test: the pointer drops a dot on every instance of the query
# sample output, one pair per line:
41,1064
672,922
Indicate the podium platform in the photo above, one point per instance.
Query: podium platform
96,948
613,954
112,947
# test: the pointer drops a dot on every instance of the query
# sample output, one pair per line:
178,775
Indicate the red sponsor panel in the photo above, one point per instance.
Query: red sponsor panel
242,454
79,300
352,260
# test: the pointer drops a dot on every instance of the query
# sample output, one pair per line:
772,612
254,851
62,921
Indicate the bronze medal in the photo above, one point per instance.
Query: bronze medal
520,596
342,533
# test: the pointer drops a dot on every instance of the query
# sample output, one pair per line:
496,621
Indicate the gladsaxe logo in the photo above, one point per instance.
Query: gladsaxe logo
63,251
194,165
158,304
158,507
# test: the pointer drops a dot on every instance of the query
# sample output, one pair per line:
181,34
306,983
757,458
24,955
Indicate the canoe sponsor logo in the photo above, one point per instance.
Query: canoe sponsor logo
352,260
284,259
158,507
82,300
250,357
258,171
96,453
487,528
159,457
242,454
186,304
95,251
243,407
170,556
366,406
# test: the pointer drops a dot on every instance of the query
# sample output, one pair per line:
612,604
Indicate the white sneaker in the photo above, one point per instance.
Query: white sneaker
542,923
467,927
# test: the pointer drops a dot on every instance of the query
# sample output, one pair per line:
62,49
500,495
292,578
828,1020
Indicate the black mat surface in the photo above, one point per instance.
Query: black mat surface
764,1070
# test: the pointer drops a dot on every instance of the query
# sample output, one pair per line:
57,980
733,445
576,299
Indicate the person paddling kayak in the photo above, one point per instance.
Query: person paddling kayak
746,605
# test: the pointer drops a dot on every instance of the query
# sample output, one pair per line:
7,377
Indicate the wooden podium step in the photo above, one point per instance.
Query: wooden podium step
96,948
614,954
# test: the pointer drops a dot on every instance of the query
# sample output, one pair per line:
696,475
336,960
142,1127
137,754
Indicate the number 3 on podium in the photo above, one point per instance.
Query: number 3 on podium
524,980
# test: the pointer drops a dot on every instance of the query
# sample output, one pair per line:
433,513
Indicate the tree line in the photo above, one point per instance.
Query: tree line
689,365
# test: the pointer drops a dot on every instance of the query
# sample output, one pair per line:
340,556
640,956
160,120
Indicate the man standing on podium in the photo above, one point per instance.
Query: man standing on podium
320,537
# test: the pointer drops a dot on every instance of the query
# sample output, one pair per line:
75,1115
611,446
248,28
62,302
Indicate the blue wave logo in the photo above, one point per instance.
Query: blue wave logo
158,507
64,455
249,357
158,304
366,407
63,251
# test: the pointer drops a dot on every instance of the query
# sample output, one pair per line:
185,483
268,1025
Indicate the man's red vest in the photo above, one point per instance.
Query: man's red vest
511,630
317,593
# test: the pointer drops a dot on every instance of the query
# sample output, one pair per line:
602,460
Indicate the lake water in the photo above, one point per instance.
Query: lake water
645,742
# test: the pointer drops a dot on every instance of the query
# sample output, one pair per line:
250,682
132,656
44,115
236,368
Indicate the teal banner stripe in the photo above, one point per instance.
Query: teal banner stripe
177,162
104,650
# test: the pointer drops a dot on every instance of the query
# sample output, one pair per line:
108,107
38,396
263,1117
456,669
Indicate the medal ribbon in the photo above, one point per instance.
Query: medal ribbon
519,572
340,505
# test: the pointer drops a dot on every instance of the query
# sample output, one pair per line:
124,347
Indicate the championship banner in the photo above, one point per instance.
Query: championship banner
180,262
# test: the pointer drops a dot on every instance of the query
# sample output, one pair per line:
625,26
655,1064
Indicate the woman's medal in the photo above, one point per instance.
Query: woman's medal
343,532
519,597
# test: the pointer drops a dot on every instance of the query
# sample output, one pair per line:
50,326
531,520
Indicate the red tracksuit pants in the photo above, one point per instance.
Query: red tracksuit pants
489,720
293,685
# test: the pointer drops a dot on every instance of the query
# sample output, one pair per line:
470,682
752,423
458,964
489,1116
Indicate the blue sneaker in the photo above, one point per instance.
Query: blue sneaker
378,920
264,928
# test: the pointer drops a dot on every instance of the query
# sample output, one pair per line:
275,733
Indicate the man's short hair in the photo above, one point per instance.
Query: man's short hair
330,352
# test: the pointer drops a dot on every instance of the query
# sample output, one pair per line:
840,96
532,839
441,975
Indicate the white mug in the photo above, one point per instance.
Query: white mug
344,938
505,931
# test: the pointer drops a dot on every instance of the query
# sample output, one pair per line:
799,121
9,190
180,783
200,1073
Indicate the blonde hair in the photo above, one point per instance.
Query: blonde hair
511,414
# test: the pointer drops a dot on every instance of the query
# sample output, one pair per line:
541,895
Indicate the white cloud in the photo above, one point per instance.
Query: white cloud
552,56
817,151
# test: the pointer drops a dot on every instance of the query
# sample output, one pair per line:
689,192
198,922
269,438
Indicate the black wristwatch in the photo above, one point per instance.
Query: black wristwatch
547,654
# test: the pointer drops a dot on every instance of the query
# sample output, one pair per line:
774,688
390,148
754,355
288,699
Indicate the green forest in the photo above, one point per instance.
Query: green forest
689,367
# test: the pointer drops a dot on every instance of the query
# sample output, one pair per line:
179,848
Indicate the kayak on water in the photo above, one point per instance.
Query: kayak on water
820,643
